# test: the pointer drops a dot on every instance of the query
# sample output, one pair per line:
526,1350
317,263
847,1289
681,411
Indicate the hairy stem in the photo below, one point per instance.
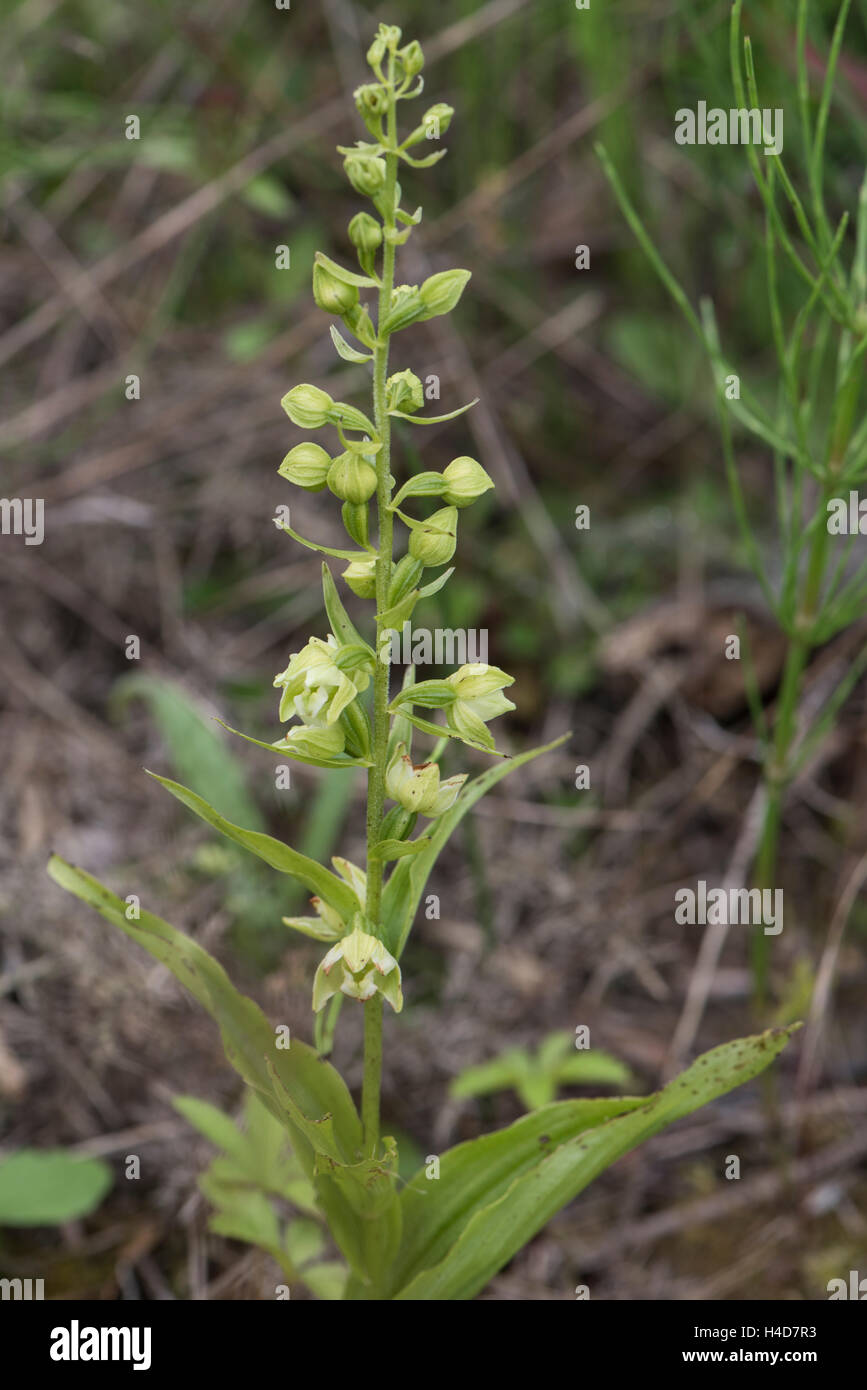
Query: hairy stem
376,774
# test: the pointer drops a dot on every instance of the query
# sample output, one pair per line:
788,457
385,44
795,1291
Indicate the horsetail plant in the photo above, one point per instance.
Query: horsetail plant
813,434
462,1217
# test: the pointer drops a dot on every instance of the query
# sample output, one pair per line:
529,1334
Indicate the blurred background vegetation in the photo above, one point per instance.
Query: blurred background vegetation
156,258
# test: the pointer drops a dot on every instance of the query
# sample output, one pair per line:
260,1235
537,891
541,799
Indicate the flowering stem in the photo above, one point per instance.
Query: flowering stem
376,774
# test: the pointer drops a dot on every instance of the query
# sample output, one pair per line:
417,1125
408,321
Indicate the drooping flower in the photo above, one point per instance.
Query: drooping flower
359,966
418,788
479,691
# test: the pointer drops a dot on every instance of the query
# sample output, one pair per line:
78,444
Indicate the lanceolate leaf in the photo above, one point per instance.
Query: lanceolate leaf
496,1222
318,879
316,1090
404,889
477,1173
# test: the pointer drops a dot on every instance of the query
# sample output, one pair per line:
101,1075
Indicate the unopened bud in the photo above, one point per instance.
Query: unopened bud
412,58
352,478
466,480
371,100
365,233
360,575
438,118
307,466
440,293
434,541
307,406
333,295
367,173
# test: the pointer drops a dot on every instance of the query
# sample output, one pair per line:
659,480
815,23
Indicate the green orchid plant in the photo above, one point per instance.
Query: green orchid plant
448,1230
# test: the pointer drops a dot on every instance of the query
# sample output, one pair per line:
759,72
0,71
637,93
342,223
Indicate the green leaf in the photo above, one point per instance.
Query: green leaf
304,1241
592,1068
43,1187
499,1074
214,1125
326,1280
349,354
314,876
478,1172
500,1219
406,885
324,549
434,419
311,1092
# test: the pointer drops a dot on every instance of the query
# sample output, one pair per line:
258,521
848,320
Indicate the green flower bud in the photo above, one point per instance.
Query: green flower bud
404,392
434,541
376,52
372,103
437,119
307,466
352,478
333,295
412,58
366,172
466,481
440,293
365,233
391,35
308,407
360,575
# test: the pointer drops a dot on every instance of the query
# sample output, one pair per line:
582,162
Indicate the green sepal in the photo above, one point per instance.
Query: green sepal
430,694
353,656
352,419
399,823
356,725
